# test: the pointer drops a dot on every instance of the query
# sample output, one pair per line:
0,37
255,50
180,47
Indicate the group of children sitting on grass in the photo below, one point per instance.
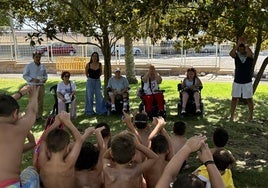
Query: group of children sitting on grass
143,155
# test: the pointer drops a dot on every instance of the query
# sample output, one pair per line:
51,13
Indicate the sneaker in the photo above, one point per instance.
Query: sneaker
183,112
113,109
198,111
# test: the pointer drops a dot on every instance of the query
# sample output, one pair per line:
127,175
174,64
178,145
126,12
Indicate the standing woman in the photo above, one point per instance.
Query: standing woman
66,94
93,72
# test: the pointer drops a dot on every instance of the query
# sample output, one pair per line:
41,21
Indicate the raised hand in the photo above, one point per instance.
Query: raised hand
195,142
127,118
89,130
161,121
64,116
205,154
99,129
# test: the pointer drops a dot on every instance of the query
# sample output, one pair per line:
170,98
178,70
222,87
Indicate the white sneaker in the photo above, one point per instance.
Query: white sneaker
113,109
183,112
198,111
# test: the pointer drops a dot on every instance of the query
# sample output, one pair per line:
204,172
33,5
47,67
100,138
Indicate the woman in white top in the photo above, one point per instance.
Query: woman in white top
190,87
66,94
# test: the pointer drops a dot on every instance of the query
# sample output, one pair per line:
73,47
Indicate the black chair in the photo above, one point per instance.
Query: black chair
53,91
190,106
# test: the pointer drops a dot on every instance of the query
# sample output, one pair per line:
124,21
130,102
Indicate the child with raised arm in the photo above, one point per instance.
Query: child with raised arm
13,131
89,163
193,144
140,128
161,145
57,169
119,169
105,133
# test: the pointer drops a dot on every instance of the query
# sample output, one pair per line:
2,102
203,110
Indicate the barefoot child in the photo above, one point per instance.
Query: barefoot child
13,131
57,168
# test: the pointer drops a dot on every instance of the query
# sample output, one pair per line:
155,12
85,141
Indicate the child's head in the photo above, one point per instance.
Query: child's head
8,105
57,140
223,159
188,181
220,137
159,144
123,148
88,157
179,128
141,121
105,132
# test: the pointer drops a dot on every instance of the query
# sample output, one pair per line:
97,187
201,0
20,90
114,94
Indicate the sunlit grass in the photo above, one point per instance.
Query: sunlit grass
248,141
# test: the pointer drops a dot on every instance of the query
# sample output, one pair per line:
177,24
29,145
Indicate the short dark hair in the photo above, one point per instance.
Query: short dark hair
36,54
64,73
179,128
105,132
57,140
159,144
141,121
188,181
123,148
88,157
7,105
241,45
223,159
220,137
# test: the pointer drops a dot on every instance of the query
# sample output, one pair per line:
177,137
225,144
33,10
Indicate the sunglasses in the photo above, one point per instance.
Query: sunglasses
67,76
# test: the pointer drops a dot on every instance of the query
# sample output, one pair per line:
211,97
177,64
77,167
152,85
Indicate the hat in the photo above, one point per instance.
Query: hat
117,69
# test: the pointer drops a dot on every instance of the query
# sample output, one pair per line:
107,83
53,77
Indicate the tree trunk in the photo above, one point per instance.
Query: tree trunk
129,60
259,75
257,49
106,50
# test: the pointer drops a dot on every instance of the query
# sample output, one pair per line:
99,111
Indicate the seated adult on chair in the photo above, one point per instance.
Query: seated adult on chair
118,85
151,91
190,87
66,94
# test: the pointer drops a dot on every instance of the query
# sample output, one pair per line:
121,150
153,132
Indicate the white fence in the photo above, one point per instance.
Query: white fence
161,53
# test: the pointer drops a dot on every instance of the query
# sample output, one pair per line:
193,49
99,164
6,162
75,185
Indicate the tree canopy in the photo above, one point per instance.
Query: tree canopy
209,21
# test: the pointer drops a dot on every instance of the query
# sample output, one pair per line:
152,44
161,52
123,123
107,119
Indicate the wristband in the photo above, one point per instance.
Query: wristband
209,162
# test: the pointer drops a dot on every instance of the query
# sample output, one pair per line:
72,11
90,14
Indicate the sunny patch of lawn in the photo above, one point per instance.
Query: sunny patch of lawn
248,141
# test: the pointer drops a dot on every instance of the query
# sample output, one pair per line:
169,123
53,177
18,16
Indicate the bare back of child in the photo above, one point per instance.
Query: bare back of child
13,131
89,163
178,139
160,143
58,170
119,169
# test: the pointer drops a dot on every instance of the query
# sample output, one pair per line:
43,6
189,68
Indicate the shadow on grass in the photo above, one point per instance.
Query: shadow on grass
247,141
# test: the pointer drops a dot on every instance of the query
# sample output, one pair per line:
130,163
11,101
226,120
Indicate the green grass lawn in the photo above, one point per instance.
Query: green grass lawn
248,141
